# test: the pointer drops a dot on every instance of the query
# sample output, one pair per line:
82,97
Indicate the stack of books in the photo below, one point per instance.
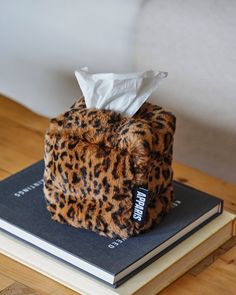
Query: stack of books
92,264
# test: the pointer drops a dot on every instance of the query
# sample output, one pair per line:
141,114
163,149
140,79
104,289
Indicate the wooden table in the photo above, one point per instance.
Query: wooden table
21,144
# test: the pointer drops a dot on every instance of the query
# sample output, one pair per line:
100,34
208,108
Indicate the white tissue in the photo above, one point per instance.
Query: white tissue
123,93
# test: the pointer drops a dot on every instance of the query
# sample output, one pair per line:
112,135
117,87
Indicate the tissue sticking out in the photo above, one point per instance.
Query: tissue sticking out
123,93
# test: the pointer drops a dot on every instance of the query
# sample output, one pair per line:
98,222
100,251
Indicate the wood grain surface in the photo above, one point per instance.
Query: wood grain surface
21,144
18,289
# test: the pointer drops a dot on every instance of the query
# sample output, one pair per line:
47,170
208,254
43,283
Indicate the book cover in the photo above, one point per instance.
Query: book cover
22,204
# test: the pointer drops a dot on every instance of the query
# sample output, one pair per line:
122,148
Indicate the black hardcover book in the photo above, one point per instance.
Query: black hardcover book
23,214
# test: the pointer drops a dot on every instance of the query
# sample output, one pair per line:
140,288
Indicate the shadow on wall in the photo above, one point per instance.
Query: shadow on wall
205,147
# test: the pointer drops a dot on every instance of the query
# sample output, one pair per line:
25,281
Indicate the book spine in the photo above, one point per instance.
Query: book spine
234,227
221,206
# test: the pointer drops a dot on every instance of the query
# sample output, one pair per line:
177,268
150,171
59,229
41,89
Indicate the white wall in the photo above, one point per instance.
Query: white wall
195,41
43,42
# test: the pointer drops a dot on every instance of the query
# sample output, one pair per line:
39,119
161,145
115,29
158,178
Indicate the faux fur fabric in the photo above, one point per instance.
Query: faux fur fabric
94,159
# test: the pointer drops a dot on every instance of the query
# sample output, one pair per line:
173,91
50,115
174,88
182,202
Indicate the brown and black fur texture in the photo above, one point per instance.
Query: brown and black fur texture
94,159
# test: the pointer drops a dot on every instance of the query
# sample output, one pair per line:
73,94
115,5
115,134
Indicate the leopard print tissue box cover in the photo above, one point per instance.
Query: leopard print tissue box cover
95,158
